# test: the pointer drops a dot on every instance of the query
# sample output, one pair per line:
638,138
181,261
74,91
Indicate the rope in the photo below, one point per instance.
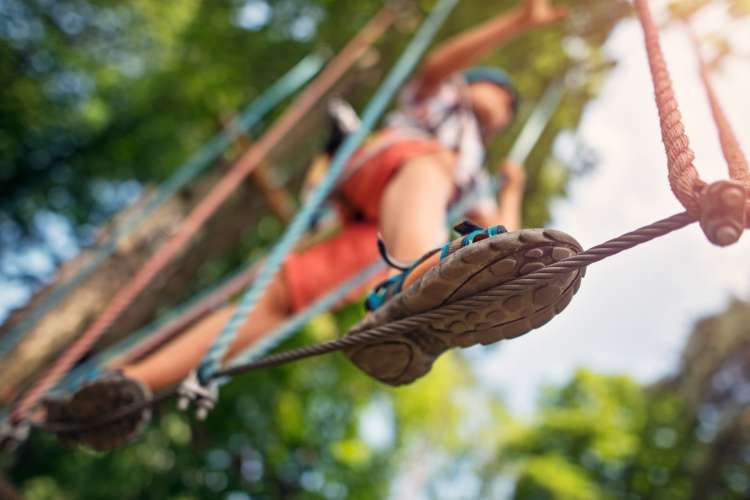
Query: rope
683,176
207,207
519,285
298,226
196,164
535,279
730,146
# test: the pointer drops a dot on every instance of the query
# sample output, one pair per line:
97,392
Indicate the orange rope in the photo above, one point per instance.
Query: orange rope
730,146
683,176
207,207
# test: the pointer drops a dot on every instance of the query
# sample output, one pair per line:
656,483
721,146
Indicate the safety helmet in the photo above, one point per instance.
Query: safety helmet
496,76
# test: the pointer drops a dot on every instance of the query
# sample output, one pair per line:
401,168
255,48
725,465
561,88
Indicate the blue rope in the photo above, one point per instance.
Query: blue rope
292,81
212,360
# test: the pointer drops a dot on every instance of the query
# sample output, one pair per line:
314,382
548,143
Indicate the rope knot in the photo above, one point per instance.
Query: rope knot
723,214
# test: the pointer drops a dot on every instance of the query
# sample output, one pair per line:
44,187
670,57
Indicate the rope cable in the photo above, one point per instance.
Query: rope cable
730,146
538,278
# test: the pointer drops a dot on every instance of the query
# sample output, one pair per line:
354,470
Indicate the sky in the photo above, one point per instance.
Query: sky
634,312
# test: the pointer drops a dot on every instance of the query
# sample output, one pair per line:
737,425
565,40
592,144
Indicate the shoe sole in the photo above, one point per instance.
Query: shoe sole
95,401
398,360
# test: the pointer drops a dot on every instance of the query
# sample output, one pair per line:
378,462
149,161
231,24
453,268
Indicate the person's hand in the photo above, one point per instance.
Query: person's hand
512,175
540,13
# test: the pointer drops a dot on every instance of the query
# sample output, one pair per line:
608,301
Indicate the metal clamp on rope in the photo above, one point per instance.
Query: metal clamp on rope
723,213
204,397
13,434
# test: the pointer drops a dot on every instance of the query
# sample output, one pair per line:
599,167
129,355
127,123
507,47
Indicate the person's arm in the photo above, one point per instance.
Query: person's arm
510,199
464,49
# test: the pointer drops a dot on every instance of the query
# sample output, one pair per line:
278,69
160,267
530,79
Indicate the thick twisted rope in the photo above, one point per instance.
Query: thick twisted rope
207,207
298,226
195,165
730,146
683,176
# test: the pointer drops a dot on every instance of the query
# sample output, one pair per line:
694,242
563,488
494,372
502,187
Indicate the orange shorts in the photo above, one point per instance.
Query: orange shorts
311,274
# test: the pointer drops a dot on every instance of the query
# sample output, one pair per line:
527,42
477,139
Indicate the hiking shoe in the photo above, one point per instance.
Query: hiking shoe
95,401
481,259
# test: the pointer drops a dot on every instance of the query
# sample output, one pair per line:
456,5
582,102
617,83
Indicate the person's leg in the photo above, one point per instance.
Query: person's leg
413,210
173,362
413,207
510,206
306,277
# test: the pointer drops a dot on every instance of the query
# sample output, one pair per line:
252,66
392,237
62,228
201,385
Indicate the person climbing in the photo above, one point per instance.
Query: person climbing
398,187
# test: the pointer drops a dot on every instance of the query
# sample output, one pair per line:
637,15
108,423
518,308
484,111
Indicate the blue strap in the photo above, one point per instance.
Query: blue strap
197,163
395,79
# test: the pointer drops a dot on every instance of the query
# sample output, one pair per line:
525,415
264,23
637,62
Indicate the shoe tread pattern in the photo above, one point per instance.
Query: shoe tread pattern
96,400
465,273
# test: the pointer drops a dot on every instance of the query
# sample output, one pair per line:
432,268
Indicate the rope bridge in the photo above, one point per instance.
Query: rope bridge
720,207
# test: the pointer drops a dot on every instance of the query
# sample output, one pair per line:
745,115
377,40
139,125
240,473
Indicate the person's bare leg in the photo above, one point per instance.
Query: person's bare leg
173,362
413,208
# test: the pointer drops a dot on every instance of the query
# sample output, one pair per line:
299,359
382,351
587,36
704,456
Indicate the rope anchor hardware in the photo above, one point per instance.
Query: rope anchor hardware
203,395
723,212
